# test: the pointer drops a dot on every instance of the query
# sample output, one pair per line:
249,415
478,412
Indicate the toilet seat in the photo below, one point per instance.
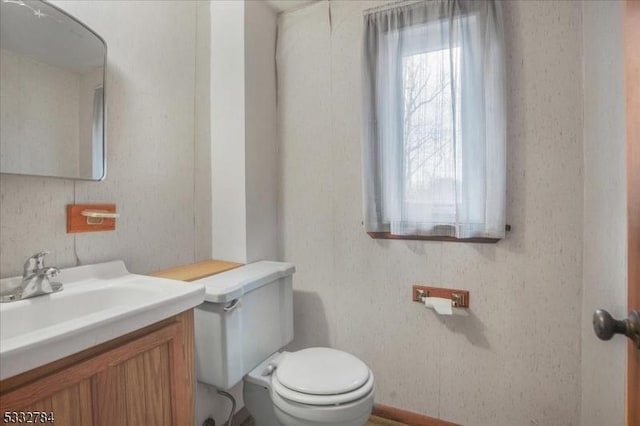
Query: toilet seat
321,376
351,413
322,371
311,399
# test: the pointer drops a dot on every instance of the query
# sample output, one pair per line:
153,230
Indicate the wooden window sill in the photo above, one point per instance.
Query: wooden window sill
390,236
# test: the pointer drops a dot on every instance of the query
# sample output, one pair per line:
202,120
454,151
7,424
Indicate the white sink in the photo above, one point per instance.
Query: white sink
98,303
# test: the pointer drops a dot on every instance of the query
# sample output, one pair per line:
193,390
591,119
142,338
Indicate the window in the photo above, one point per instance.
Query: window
430,135
434,115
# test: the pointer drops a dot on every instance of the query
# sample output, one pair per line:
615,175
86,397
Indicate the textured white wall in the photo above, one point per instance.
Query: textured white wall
260,131
605,229
516,359
243,130
150,147
202,157
228,131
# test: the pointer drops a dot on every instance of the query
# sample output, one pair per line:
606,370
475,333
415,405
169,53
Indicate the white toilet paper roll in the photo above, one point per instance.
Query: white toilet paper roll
441,305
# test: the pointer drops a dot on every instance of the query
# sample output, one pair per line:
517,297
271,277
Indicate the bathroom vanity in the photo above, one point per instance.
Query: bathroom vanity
144,377
110,348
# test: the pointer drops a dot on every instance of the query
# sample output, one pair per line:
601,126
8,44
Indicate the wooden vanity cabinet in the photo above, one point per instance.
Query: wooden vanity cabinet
143,378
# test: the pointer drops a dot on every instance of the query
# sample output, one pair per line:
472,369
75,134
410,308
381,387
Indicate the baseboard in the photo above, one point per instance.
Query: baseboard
408,417
384,411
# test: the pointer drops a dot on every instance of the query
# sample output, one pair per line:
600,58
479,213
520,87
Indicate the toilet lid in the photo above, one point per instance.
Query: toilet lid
283,394
322,371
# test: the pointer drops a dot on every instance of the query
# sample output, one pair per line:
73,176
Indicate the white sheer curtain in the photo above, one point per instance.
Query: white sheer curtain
434,119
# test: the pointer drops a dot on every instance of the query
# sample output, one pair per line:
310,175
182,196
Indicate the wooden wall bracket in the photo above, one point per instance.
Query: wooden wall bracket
76,222
459,298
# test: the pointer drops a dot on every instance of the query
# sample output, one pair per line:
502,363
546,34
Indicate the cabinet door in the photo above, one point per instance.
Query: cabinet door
69,406
145,388
141,382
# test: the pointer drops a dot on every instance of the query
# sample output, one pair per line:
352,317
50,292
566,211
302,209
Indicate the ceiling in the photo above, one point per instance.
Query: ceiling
286,5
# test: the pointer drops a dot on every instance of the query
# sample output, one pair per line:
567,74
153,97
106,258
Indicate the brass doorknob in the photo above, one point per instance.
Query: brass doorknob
606,327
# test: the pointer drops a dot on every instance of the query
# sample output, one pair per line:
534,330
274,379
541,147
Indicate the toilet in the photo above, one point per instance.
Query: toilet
241,328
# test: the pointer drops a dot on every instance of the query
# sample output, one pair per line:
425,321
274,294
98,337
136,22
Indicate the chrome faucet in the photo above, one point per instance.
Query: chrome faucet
35,280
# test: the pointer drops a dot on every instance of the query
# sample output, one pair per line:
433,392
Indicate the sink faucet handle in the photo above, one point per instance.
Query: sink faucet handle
34,263
49,272
39,258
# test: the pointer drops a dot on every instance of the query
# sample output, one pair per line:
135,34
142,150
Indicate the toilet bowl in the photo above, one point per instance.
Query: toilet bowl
314,386
241,328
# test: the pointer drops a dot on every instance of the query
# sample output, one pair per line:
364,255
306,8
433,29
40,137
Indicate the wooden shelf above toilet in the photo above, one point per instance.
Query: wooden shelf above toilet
196,271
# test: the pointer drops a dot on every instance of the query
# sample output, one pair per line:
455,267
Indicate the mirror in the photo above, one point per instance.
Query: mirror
52,98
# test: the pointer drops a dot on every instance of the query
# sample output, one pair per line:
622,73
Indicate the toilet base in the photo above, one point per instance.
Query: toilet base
258,403
269,408
257,400
287,420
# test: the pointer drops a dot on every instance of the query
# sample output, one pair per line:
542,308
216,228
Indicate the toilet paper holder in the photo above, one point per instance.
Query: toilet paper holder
459,298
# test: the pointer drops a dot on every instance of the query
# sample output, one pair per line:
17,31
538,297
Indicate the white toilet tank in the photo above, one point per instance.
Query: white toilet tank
247,316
